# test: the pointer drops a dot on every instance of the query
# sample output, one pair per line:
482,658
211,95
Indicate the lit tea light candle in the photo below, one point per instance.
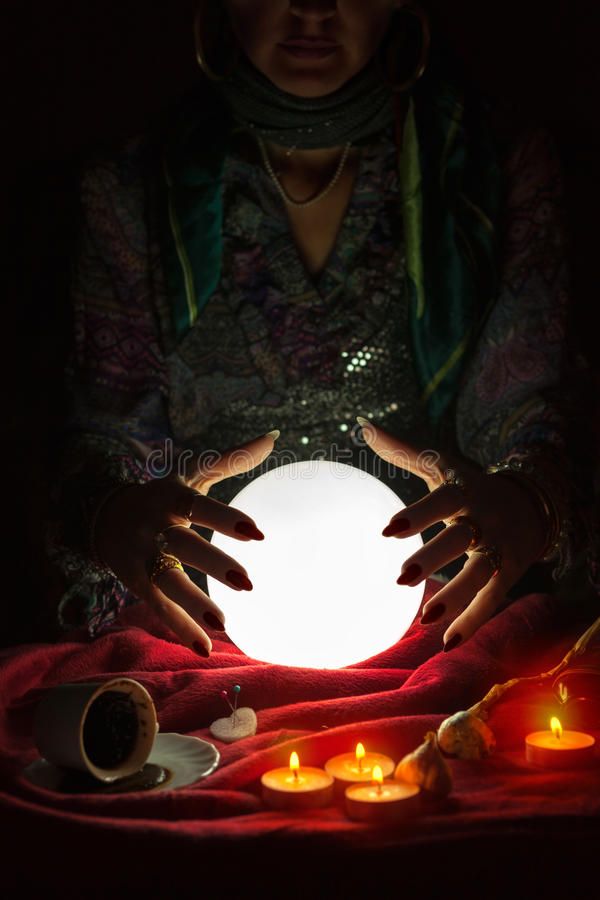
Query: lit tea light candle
382,801
559,749
352,768
297,787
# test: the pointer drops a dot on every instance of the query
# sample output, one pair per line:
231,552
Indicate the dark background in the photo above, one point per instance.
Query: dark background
79,72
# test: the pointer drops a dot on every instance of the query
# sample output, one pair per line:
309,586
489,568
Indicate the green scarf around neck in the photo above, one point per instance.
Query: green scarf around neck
451,193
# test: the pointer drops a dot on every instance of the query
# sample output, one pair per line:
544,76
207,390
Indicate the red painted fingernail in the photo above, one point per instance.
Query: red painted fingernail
201,650
411,573
249,530
452,643
433,614
213,621
396,527
238,580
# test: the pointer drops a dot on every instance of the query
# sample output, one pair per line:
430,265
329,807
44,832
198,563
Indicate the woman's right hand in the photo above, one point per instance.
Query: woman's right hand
127,526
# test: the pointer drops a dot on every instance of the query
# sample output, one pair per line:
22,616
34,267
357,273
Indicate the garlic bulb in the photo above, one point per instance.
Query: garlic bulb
466,736
426,767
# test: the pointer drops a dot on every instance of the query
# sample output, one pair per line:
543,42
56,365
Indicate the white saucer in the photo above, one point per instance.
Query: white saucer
187,759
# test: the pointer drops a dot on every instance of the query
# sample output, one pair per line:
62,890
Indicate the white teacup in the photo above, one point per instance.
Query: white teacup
63,730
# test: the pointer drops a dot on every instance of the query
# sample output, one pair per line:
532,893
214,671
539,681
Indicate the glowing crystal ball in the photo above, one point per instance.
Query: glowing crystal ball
325,592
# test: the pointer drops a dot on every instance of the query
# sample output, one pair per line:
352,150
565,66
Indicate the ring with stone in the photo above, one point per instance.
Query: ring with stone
189,504
454,478
474,528
162,541
493,556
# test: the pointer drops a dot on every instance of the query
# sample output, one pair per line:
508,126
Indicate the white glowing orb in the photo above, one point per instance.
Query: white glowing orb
325,592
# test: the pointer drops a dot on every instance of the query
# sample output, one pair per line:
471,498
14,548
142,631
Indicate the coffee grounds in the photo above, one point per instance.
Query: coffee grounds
110,729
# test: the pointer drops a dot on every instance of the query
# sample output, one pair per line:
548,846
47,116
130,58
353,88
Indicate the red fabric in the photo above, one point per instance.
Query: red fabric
216,836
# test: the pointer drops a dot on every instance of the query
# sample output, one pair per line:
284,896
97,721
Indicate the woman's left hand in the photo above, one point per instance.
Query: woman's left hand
491,518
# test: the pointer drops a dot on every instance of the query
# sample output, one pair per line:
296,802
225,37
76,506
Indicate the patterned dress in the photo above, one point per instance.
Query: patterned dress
277,348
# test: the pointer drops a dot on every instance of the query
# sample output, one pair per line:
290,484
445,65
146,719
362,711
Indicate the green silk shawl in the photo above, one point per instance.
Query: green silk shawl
450,202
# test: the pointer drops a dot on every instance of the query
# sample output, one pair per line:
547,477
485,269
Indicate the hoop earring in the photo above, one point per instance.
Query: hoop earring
395,45
210,27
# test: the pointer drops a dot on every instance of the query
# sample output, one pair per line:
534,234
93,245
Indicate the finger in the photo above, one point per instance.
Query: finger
226,519
186,505
441,504
482,607
196,551
177,619
210,468
427,464
455,595
179,587
166,500
446,546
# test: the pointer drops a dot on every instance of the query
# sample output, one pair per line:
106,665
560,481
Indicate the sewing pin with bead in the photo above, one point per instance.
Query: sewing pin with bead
240,724
236,692
225,697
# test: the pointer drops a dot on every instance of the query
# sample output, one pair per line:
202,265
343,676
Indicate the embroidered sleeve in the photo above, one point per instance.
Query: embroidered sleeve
521,396
116,384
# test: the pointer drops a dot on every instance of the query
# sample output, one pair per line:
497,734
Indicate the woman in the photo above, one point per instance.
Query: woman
315,233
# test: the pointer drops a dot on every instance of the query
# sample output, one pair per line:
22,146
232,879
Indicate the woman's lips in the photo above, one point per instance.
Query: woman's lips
307,52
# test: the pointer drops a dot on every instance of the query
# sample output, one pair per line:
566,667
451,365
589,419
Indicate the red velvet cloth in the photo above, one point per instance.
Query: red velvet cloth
504,824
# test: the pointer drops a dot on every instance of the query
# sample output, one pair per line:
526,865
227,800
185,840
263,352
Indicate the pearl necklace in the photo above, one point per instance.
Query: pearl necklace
279,186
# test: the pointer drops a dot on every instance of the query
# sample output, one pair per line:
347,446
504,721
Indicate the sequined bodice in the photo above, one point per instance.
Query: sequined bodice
276,348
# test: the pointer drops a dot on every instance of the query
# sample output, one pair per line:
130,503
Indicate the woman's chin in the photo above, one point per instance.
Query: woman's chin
305,78
308,86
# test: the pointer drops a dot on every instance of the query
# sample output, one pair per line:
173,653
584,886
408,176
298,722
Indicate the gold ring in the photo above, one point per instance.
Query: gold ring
493,556
164,562
473,526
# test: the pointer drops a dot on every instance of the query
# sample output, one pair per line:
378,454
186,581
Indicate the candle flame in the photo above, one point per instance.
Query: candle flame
360,755
378,778
377,775
556,727
294,763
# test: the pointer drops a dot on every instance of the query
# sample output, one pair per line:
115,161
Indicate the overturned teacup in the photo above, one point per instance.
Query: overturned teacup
106,729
